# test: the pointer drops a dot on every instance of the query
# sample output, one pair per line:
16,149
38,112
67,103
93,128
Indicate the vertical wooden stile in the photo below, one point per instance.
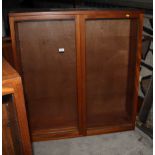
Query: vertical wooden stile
80,40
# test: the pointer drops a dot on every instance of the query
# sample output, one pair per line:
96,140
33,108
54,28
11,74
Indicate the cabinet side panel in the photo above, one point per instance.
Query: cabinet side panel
107,56
48,61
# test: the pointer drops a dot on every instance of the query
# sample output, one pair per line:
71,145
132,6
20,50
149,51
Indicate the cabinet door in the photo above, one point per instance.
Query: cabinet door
48,59
110,72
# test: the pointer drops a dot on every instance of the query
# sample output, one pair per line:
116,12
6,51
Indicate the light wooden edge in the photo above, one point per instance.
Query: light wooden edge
22,116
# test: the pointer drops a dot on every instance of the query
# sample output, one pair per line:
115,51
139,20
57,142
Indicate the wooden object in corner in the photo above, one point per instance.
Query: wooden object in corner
15,132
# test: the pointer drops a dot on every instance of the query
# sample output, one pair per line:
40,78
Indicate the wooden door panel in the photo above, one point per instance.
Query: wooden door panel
10,130
49,76
107,57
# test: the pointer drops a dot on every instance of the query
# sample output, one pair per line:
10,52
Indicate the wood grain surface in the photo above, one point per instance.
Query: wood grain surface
49,76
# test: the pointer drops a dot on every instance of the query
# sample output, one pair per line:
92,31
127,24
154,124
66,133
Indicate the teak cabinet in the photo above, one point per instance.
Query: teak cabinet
80,70
15,132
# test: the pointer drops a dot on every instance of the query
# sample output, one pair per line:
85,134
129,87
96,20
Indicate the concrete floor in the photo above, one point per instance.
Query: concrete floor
122,143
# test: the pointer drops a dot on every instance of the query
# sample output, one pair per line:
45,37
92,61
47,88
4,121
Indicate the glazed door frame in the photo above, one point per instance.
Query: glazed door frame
46,134
136,28
80,18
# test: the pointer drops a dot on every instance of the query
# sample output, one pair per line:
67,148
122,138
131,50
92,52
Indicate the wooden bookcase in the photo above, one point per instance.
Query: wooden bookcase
80,70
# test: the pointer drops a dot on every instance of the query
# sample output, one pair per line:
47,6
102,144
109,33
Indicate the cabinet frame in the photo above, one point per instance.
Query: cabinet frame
80,18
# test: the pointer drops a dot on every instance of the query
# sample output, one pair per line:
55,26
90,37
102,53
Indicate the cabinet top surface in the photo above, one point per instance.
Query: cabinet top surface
9,75
72,12
8,72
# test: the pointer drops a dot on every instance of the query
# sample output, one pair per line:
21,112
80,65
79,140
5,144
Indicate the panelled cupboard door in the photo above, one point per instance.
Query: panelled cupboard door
110,72
48,59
